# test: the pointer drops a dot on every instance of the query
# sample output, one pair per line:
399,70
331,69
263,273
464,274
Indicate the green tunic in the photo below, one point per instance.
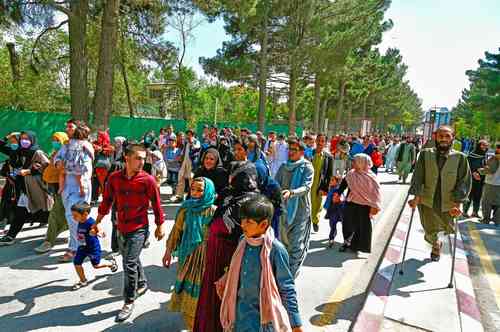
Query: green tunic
405,159
441,180
316,198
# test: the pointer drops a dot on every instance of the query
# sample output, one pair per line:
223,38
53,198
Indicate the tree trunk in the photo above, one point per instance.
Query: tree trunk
123,69
322,116
317,103
263,76
340,104
347,128
16,72
14,63
103,101
292,99
77,27
127,87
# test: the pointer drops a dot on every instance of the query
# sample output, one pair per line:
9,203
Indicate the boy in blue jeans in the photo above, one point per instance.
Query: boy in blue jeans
89,244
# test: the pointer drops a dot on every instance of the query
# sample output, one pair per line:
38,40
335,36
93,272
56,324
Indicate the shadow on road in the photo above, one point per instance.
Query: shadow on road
332,312
162,318
72,315
328,257
159,279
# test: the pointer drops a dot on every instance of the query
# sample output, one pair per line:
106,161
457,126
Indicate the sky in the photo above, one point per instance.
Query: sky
439,41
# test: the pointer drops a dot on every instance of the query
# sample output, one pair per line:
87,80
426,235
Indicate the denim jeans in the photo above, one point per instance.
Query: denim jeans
131,245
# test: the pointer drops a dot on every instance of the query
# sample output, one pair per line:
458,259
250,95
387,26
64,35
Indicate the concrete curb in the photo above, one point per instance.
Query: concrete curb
470,316
371,316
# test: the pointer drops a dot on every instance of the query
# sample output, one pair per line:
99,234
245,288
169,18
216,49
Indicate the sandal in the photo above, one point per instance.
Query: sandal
79,285
436,251
67,257
114,265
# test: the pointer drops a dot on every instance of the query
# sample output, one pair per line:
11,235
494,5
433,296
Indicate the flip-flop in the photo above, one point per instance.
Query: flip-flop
66,258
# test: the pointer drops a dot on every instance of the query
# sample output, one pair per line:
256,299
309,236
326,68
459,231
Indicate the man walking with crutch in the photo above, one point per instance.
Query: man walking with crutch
441,183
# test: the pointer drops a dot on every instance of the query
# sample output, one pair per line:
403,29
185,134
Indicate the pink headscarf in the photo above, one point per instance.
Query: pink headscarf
271,307
363,185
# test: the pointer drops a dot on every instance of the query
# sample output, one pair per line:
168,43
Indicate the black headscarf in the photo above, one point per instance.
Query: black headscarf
477,159
218,175
243,186
23,155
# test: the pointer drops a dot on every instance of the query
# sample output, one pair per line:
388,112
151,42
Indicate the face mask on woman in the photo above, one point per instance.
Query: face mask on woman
14,146
25,143
56,145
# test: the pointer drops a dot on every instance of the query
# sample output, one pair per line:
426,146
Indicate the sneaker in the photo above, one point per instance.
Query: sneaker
316,227
125,312
44,247
6,241
142,290
331,243
79,285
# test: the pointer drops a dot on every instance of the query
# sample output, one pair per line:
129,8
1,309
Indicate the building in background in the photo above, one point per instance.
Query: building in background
435,117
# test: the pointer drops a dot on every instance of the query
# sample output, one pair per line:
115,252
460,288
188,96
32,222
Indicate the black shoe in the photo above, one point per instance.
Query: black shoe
316,227
434,257
142,290
7,241
125,312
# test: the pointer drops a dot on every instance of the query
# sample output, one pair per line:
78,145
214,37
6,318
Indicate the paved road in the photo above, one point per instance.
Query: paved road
35,294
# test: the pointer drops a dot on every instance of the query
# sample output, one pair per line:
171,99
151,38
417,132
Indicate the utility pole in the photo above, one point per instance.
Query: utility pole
215,113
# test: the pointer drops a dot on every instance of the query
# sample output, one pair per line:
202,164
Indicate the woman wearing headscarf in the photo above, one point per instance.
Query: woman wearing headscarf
8,146
57,218
102,164
223,237
477,160
363,201
34,202
211,168
255,154
224,148
188,241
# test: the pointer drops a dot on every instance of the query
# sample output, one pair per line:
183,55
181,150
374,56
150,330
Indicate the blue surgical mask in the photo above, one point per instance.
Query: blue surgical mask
56,145
25,143
14,146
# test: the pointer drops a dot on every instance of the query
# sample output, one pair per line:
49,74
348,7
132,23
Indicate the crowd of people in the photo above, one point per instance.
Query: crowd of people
248,204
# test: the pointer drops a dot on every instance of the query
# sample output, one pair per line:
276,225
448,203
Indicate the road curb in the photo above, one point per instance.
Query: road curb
470,315
371,316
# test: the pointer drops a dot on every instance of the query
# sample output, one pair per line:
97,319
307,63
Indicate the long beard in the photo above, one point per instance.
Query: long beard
443,148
